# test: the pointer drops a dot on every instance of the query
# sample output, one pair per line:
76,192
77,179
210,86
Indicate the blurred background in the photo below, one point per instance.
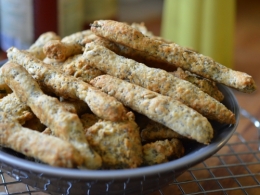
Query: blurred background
230,28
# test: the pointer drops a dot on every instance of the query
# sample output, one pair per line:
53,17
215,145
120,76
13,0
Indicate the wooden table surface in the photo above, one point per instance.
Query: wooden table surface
247,59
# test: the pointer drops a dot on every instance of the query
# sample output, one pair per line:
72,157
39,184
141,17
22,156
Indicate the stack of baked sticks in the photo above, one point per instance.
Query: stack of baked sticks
112,97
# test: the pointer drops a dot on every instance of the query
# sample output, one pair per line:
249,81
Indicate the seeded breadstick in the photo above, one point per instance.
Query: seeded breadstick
101,104
118,143
61,51
37,51
162,151
156,131
81,37
205,85
37,47
11,105
48,149
157,80
142,28
78,67
173,54
49,110
162,109
68,46
133,54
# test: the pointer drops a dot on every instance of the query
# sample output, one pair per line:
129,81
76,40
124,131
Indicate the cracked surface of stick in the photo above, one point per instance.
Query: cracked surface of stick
68,46
48,149
173,54
81,37
11,105
118,143
156,131
60,51
78,67
100,103
36,50
49,110
162,109
162,151
37,47
205,85
157,80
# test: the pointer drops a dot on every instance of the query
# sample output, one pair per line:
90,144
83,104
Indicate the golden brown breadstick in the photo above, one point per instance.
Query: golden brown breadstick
37,48
162,151
157,80
50,111
81,37
68,46
78,67
48,149
162,109
173,54
101,104
156,131
205,85
60,51
11,105
118,143
138,56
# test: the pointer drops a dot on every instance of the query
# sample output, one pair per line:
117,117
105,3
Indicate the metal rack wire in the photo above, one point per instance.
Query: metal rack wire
235,169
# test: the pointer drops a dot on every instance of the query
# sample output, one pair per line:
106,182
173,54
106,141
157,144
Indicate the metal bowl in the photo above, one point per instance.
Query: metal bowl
141,180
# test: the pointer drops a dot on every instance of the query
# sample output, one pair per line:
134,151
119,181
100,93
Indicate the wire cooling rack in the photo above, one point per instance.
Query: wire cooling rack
234,170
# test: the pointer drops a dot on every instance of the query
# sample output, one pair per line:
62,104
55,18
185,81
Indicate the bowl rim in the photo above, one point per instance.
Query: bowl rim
182,163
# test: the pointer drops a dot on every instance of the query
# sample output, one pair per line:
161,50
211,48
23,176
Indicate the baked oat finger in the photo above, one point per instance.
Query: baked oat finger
48,149
205,85
157,80
162,151
173,54
156,131
51,112
162,109
37,47
36,50
81,37
118,143
78,67
138,56
68,46
101,104
60,51
11,105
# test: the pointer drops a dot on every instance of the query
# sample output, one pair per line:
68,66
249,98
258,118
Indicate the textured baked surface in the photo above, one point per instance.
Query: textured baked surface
51,112
51,77
157,107
118,143
173,54
157,80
